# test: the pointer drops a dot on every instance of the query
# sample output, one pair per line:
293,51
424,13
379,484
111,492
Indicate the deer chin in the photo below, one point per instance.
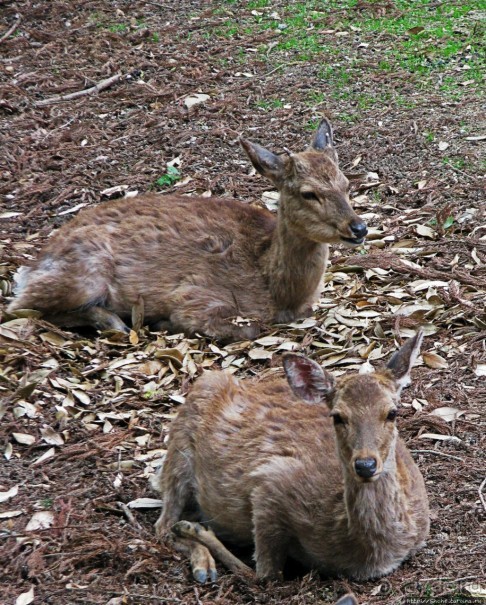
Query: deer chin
351,242
372,479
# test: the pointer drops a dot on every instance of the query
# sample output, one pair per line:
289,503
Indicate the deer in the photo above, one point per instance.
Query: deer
308,466
217,267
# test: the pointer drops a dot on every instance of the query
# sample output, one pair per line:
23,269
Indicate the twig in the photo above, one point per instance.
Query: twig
447,579
12,29
469,176
158,4
129,515
137,596
480,492
281,66
437,454
80,93
196,594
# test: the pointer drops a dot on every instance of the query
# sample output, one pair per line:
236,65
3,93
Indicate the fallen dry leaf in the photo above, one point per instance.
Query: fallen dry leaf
447,413
480,369
145,503
11,493
23,438
40,520
10,514
432,360
439,437
50,436
26,597
260,354
425,231
45,456
476,590
195,99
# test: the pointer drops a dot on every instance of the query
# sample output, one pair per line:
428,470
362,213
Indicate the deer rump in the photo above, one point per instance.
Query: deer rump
200,264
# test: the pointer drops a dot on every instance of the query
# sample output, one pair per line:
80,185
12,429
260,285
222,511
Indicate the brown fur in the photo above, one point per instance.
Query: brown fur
198,263
266,467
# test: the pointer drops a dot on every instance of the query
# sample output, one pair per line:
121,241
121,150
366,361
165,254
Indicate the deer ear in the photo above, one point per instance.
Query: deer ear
348,599
267,163
323,137
307,379
402,360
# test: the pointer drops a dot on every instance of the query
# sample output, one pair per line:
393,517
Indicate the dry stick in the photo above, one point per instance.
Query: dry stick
469,176
12,29
437,454
281,66
132,594
480,492
80,93
129,515
197,533
158,4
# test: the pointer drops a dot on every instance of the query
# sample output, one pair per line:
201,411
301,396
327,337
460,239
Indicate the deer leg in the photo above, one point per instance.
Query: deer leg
206,537
271,544
97,317
213,319
174,481
202,563
163,325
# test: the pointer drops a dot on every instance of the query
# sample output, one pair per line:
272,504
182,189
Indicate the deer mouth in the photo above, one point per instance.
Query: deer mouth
352,241
369,479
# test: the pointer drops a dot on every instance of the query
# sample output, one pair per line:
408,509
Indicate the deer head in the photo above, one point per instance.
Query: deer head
314,193
362,406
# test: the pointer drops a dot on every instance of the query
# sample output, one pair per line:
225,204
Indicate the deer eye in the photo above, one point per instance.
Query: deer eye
337,419
309,195
392,414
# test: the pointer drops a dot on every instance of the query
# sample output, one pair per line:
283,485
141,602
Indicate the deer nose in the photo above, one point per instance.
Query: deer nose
359,229
365,467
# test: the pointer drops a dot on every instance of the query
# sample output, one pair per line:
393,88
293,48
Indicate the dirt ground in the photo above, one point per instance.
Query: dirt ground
84,416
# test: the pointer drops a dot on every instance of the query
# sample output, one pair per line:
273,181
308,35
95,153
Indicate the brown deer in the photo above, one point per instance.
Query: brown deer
200,263
310,467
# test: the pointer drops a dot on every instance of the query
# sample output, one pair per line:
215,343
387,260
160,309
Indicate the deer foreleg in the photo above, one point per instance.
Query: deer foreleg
97,317
197,533
202,563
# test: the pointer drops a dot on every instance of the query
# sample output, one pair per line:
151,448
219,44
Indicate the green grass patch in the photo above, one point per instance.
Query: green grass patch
270,103
169,178
408,46
118,28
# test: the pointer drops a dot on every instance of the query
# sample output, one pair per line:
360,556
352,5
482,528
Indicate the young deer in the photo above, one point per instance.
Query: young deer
199,263
312,468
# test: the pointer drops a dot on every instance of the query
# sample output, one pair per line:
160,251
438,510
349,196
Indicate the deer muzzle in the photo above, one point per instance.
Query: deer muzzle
359,230
365,467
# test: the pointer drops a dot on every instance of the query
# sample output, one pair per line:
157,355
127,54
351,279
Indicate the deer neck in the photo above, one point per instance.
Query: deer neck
294,266
376,510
